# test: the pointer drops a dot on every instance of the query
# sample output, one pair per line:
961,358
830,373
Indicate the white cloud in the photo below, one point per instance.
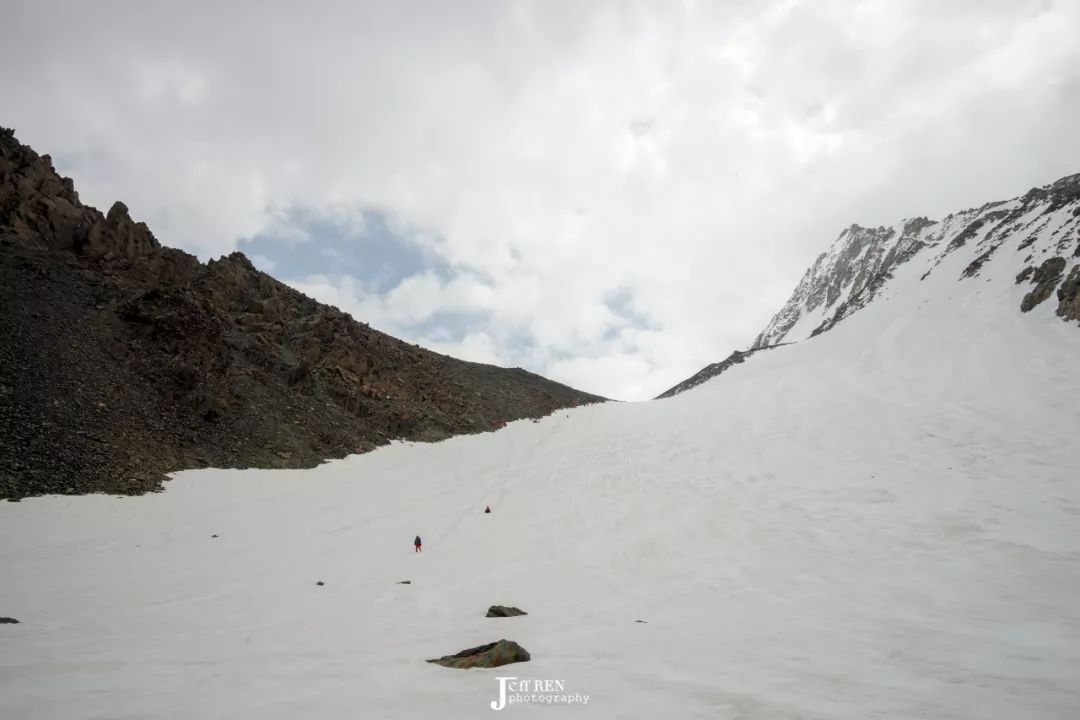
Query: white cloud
696,156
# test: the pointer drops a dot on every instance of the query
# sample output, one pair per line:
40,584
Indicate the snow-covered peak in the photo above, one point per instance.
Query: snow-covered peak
853,262
1045,222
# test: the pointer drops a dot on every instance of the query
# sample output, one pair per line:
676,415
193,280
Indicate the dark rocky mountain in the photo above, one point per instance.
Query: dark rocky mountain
122,360
1041,228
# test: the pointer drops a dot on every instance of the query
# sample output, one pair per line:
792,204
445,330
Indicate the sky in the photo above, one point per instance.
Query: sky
611,194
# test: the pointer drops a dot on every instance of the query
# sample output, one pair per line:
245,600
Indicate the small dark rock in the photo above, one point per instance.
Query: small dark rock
504,611
404,582
320,583
213,536
8,621
643,622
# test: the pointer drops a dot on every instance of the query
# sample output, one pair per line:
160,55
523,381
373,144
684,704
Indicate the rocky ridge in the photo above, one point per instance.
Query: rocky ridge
122,360
709,372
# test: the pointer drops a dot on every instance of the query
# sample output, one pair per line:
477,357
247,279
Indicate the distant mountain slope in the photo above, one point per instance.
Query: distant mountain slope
1042,228
121,360
1035,236
708,372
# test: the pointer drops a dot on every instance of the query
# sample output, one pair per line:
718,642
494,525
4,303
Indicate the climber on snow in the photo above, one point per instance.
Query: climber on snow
416,543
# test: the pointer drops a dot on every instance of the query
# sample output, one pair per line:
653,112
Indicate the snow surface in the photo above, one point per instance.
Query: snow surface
880,522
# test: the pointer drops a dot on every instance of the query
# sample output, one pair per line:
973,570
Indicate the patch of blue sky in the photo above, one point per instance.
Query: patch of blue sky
365,246
621,304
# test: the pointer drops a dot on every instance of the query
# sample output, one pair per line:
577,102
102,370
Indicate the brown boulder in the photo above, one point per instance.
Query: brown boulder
504,611
492,655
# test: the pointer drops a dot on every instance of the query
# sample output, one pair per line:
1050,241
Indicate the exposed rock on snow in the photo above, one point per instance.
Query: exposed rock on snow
504,611
1069,296
8,621
496,654
1045,279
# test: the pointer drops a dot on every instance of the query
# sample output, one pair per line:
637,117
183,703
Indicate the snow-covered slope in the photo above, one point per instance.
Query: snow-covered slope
1043,224
882,522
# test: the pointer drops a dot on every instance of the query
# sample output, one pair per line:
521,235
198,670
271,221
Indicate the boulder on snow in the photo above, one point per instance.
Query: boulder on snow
504,611
491,655
320,583
404,582
8,621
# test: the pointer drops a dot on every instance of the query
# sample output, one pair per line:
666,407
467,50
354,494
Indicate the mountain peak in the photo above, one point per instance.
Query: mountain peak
861,261
1042,227
123,359
852,265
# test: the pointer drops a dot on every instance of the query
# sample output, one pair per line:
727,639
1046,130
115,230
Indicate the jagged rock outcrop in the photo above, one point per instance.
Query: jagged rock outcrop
852,268
122,360
1045,278
1069,296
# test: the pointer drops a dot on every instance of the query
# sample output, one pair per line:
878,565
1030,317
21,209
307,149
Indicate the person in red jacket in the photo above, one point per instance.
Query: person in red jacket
416,543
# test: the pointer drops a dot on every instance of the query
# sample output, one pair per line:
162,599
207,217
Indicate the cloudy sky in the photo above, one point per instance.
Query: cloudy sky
611,194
